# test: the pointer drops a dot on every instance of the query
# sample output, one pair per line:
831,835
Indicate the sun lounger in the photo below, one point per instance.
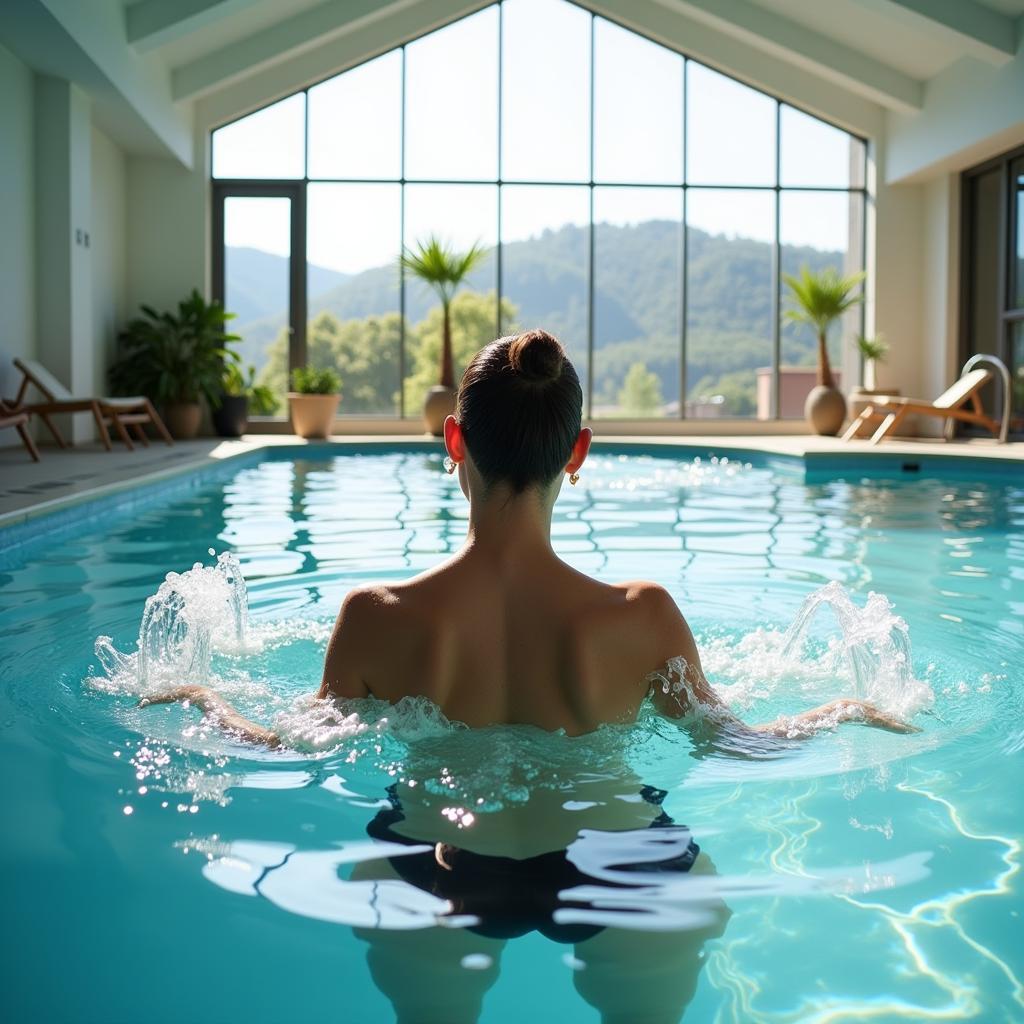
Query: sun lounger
948,406
121,413
19,420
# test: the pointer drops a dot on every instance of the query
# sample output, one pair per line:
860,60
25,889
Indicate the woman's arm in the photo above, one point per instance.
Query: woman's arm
220,712
681,691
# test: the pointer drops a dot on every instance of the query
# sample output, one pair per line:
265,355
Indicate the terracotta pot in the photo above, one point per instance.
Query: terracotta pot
312,415
825,410
231,417
182,419
440,404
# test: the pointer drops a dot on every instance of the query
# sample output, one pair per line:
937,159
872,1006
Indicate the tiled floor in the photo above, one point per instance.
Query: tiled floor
65,477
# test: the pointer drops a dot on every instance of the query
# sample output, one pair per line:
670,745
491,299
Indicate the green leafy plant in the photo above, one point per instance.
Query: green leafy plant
873,348
820,298
243,385
309,380
175,358
443,269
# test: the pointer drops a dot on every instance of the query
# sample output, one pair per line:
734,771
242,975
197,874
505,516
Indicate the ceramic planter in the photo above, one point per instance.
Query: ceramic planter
231,417
182,419
312,415
825,410
440,404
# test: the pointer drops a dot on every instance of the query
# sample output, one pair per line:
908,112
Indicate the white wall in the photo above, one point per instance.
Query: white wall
17,215
108,249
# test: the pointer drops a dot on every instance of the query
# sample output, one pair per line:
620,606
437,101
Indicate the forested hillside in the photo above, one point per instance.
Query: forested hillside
636,311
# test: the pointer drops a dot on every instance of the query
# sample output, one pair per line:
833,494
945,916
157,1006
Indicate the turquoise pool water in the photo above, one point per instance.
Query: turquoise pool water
155,871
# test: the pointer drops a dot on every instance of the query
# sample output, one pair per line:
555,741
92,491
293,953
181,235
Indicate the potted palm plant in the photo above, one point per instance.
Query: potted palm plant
819,299
176,360
874,350
241,394
443,269
313,400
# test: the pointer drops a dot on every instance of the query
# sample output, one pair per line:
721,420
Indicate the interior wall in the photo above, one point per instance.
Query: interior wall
17,205
107,245
166,222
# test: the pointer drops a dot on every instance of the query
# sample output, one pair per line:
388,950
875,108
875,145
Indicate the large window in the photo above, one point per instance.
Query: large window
992,297
637,204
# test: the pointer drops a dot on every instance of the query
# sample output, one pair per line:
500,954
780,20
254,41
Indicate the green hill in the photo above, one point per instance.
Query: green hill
636,303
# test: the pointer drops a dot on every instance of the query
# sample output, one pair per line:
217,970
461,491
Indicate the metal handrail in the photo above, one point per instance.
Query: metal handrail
1004,373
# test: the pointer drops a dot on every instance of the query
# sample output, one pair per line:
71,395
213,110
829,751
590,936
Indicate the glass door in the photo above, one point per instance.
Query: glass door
992,301
259,275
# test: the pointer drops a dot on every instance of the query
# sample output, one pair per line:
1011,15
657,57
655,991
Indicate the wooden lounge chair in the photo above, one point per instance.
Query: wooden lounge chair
948,406
10,417
121,413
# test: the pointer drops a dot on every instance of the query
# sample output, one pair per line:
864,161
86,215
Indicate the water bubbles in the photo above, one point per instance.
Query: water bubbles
476,962
128,810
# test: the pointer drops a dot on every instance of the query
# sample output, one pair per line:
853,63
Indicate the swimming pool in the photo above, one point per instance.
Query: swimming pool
154,871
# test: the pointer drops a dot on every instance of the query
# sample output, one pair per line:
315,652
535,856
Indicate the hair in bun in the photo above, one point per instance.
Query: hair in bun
520,407
536,356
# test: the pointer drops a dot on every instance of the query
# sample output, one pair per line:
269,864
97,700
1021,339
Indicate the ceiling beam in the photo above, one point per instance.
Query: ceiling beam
149,24
767,31
286,38
981,31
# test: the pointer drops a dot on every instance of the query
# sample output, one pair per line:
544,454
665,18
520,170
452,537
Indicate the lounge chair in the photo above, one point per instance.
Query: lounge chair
121,413
10,417
948,406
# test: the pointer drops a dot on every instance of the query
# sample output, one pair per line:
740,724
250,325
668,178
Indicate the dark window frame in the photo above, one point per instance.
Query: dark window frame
1009,198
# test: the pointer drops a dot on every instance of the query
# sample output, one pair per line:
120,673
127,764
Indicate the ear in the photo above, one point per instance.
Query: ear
454,441
580,450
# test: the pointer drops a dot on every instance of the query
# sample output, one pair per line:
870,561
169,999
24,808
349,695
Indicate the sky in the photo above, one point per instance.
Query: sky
643,95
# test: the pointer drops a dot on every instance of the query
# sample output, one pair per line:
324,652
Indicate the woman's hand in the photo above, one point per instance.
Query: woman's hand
220,712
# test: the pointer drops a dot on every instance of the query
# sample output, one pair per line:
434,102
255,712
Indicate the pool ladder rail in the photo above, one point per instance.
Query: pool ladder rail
1004,373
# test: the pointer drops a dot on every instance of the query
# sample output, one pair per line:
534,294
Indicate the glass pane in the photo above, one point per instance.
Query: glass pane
638,108
257,247
816,154
730,131
545,91
267,144
353,241
730,242
817,230
544,263
1018,257
355,122
451,101
460,215
637,301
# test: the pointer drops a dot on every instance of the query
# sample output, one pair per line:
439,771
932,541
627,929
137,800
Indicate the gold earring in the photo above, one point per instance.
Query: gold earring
574,479
449,465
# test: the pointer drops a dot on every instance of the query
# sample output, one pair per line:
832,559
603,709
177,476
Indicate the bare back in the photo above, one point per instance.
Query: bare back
530,641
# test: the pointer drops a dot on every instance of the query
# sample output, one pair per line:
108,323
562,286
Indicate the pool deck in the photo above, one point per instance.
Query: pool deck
64,478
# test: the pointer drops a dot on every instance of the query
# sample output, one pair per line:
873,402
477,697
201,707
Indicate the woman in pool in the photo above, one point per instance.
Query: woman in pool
506,633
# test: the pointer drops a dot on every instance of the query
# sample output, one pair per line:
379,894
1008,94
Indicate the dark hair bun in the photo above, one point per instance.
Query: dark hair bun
537,357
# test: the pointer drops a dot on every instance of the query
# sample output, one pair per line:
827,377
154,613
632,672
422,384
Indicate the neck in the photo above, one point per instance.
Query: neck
506,526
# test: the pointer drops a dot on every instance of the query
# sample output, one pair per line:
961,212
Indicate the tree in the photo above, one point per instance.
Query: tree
444,269
364,352
472,322
640,395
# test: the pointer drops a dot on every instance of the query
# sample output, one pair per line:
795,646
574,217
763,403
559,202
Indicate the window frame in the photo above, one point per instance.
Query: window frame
296,188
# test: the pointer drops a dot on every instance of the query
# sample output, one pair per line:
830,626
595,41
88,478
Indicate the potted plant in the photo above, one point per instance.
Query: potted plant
313,400
241,394
820,298
443,269
176,359
874,350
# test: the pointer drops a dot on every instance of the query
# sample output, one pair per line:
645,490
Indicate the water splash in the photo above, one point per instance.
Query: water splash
868,657
192,614
874,641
